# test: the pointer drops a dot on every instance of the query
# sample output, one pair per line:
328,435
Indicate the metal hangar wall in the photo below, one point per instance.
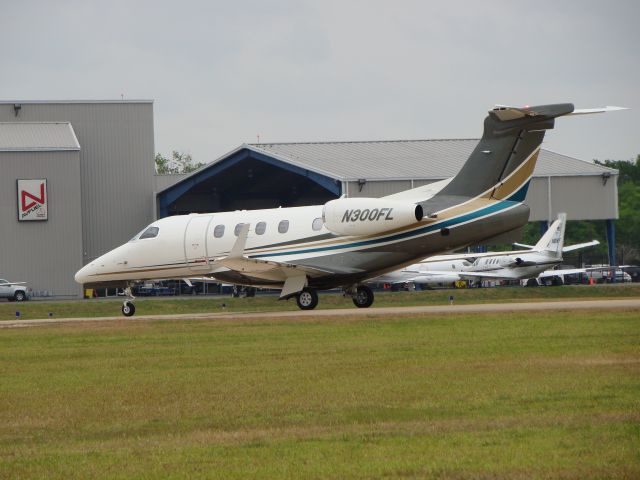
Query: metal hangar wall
97,200
41,235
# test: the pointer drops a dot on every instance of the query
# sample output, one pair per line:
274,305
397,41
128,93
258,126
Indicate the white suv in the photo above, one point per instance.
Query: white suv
14,291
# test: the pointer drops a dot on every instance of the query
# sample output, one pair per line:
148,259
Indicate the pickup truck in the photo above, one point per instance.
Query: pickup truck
14,291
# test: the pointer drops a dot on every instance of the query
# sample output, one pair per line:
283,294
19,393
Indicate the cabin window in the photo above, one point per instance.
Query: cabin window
218,231
283,226
317,224
151,232
236,231
261,227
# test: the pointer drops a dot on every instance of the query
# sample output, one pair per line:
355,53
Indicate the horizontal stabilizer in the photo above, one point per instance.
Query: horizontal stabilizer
587,111
506,112
577,246
523,245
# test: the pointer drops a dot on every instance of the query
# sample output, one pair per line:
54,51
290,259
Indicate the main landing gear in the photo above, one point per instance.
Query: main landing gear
307,299
361,295
128,308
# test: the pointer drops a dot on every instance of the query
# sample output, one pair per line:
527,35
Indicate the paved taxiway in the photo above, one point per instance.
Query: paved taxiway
560,305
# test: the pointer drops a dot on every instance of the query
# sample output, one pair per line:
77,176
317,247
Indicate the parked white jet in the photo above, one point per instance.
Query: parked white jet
346,241
511,265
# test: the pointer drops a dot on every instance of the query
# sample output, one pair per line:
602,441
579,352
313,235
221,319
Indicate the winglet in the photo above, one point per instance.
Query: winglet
238,248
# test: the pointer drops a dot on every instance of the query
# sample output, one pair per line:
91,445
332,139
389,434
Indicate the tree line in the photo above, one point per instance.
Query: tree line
627,226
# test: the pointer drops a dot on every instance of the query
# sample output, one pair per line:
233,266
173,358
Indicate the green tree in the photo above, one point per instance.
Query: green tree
628,225
178,163
629,170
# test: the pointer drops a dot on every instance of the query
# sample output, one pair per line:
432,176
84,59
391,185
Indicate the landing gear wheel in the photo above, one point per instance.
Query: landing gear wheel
128,308
363,297
307,299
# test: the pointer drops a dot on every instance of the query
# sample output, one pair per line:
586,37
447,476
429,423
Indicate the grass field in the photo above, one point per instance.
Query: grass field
542,395
200,304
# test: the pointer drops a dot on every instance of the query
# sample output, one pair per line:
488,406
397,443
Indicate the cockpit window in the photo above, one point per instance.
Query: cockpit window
151,232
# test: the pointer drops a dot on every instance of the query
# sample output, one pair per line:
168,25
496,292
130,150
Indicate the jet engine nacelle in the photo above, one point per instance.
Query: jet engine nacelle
524,263
366,216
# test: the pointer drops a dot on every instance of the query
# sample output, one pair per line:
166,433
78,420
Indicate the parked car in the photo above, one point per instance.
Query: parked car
633,271
604,276
14,291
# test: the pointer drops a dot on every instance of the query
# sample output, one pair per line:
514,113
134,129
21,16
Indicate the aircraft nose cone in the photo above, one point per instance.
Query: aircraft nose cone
81,275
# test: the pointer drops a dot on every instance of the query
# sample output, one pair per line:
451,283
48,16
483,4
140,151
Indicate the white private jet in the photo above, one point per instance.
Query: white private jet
535,262
346,241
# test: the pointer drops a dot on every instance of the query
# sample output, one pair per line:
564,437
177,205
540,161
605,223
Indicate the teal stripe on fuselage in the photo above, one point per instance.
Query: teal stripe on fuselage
502,205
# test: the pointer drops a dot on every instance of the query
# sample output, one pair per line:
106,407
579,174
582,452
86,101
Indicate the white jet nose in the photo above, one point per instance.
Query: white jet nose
82,275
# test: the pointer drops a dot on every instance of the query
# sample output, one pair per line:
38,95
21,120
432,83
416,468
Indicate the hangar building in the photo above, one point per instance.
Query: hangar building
292,174
94,161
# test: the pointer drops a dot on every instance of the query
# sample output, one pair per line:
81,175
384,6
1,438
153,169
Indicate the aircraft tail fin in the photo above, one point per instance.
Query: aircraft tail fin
553,239
502,163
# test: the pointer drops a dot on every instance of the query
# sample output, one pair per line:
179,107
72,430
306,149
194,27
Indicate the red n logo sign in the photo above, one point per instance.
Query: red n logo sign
24,195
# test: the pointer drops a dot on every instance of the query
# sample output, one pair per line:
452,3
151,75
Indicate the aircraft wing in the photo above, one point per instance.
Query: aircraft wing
569,271
268,268
488,276
419,277
293,276
577,246
555,273
471,256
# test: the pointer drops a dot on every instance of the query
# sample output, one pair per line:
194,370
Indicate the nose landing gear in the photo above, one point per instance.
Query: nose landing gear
128,308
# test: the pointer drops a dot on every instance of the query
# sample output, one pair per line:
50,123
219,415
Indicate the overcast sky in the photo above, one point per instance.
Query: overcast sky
220,73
